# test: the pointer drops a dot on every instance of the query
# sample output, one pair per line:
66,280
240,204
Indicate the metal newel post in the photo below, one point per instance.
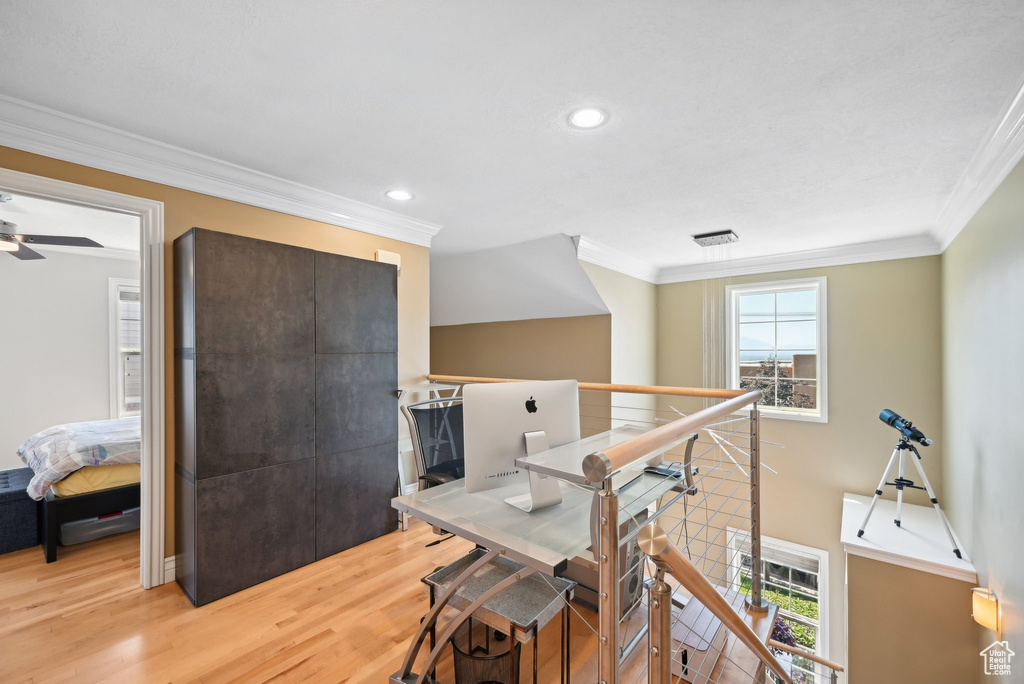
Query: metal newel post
659,607
608,583
755,603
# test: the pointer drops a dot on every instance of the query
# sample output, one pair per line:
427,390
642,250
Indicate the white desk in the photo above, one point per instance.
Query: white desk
545,540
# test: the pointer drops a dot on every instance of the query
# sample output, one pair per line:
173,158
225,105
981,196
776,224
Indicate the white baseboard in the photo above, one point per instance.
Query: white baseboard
169,569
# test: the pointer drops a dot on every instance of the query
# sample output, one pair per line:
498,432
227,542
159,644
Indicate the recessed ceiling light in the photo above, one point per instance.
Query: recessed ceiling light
587,118
399,195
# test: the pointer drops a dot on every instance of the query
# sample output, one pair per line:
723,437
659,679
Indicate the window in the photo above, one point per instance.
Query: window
795,578
776,344
126,348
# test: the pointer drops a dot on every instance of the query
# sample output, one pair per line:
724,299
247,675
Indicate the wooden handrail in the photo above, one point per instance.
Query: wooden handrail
596,467
653,541
608,387
835,667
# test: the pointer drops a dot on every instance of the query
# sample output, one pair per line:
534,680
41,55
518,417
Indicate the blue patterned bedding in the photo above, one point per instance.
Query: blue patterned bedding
56,452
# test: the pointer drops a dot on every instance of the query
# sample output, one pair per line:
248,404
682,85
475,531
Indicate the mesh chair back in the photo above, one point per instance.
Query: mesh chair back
439,428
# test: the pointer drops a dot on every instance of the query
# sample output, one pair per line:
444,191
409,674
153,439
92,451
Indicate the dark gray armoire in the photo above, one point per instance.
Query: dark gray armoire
286,366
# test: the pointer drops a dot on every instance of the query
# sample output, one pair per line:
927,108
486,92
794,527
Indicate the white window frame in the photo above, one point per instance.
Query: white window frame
732,295
116,371
820,555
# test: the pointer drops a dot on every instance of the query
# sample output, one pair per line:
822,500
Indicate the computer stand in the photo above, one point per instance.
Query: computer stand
544,491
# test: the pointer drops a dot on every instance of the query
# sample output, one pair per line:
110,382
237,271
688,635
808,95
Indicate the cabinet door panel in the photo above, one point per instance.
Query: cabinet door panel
253,411
353,497
253,526
356,305
356,405
252,296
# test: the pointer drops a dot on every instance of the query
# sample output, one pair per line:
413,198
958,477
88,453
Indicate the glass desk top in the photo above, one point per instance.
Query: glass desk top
545,539
566,461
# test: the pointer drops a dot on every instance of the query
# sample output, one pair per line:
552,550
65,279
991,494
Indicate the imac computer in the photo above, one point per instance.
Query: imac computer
506,421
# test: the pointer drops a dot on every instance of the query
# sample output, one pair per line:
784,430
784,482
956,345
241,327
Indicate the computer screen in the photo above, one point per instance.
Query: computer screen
496,416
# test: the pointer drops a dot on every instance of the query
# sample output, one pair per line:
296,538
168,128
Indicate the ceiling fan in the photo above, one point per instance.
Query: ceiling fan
17,245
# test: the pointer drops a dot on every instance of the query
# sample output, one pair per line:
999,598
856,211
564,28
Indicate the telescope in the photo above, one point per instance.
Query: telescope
906,428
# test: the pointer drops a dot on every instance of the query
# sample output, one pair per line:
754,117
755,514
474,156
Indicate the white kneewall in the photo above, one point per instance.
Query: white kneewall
633,304
55,343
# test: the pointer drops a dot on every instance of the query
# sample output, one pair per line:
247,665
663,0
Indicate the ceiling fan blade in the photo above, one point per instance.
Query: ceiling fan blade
62,240
26,254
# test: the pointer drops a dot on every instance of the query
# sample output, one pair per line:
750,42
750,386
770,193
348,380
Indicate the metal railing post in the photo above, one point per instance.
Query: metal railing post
755,603
659,611
608,583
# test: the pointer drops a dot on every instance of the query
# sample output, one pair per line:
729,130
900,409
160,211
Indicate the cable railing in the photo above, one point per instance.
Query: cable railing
702,616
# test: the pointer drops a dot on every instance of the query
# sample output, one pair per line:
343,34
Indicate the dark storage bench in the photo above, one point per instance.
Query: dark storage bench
19,514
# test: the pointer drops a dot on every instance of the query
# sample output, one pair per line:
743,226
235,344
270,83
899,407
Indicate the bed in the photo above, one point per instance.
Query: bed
83,470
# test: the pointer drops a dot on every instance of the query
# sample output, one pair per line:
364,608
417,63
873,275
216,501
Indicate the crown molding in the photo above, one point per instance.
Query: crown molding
997,156
607,257
39,130
881,250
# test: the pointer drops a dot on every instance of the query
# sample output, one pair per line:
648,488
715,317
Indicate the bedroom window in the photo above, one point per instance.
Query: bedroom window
126,348
776,341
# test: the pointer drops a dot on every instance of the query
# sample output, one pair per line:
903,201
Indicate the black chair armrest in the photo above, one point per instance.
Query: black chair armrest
431,479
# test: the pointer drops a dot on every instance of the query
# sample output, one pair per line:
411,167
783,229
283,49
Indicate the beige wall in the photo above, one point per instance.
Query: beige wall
577,347
884,329
184,209
909,626
983,332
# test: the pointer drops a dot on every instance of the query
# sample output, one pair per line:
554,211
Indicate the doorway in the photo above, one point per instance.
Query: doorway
148,363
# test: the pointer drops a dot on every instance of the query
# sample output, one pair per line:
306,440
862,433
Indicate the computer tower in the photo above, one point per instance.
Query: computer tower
583,570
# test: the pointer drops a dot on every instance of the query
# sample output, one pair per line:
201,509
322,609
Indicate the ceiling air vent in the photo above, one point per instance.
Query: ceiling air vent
720,237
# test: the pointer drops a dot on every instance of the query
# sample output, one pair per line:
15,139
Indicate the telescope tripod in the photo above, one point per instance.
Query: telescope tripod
901,483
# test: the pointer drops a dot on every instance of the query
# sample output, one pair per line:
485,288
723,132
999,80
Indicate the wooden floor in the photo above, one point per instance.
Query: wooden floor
348,618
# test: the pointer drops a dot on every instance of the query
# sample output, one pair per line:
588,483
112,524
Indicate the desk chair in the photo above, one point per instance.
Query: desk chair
437,440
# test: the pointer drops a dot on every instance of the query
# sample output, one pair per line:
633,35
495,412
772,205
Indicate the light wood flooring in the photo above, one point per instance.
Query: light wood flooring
348,618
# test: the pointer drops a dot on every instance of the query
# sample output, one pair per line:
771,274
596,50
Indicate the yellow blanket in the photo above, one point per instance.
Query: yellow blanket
95,478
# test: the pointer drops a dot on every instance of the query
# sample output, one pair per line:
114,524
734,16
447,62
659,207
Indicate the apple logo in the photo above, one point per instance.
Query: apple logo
531,405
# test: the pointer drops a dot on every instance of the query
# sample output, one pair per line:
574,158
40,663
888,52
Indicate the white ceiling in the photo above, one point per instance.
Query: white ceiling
118,233
801,125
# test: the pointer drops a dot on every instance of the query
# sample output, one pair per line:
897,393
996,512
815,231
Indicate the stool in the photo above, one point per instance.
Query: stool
519,611
19,514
